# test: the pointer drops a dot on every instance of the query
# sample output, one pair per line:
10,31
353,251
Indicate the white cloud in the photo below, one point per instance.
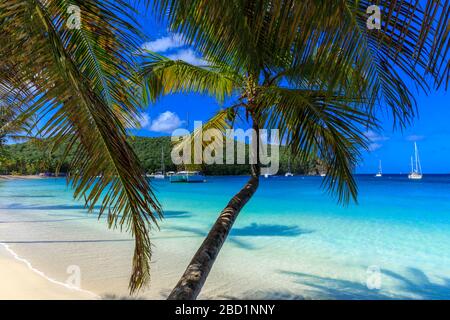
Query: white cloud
187,55
164,44
414,137
173,45
144,120
166,122
375,140
374,146
374,136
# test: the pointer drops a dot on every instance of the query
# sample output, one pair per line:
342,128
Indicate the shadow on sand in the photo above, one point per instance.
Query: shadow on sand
414,284
177,214
268,230
252,230
262,295
19,206
46,221
26,196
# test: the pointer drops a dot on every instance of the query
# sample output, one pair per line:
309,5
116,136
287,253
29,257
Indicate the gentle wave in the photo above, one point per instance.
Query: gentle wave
43,275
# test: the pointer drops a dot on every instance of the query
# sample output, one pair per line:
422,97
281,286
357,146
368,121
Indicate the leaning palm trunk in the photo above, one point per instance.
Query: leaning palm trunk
198,269
194,277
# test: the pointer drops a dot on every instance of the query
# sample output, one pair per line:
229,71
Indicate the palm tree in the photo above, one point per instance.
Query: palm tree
311,69
80,84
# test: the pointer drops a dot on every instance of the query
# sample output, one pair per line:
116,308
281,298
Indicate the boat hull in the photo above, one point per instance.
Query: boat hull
187,178
415,176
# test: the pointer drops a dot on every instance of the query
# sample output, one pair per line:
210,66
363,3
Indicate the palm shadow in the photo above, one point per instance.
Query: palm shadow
330,288
201,233
269,230
418,283
252,230
44,221
28,196
415,284
262,295
176,214
19,206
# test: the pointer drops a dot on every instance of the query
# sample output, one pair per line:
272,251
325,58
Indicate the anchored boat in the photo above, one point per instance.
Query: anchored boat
416,170
187,176
289,173
380,171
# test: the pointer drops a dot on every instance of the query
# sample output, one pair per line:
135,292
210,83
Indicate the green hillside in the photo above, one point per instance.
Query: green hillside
33,157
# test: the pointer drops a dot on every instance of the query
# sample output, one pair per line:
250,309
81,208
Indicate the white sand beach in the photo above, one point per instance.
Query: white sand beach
20,281
311,248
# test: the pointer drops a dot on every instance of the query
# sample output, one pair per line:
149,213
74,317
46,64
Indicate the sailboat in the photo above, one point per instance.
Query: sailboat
187,176
289,173
160,174
380,171
416,168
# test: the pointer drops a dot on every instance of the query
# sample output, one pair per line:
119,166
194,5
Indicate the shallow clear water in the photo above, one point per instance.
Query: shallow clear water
291,240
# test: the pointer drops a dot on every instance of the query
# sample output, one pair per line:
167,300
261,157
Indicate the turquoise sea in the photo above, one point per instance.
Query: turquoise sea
291,241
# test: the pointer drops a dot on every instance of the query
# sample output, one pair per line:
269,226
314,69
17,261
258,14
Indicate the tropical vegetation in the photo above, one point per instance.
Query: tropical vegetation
312,69
80,85
309,68
39,156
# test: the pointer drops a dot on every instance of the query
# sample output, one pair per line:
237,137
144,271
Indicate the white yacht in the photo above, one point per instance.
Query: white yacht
380,171
416,168
187,176
158,175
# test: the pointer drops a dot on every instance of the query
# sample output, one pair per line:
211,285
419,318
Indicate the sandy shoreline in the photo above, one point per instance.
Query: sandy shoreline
19,280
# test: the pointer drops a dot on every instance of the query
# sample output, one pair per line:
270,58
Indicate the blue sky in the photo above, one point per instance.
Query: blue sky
431,129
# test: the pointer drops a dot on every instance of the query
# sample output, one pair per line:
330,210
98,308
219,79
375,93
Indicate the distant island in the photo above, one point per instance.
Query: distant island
42,156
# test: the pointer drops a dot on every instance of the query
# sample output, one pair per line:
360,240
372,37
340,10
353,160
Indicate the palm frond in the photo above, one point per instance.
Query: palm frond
317,124
271,35
164,76
220,122
79,84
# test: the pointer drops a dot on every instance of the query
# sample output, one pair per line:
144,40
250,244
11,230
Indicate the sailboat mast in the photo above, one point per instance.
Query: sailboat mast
162,159
415,156
379,167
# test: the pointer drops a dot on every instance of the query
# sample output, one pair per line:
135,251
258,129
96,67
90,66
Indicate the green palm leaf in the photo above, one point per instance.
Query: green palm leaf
164,76
315,125
81,87
260,36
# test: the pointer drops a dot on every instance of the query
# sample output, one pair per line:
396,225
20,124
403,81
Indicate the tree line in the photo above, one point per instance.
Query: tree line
41,156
